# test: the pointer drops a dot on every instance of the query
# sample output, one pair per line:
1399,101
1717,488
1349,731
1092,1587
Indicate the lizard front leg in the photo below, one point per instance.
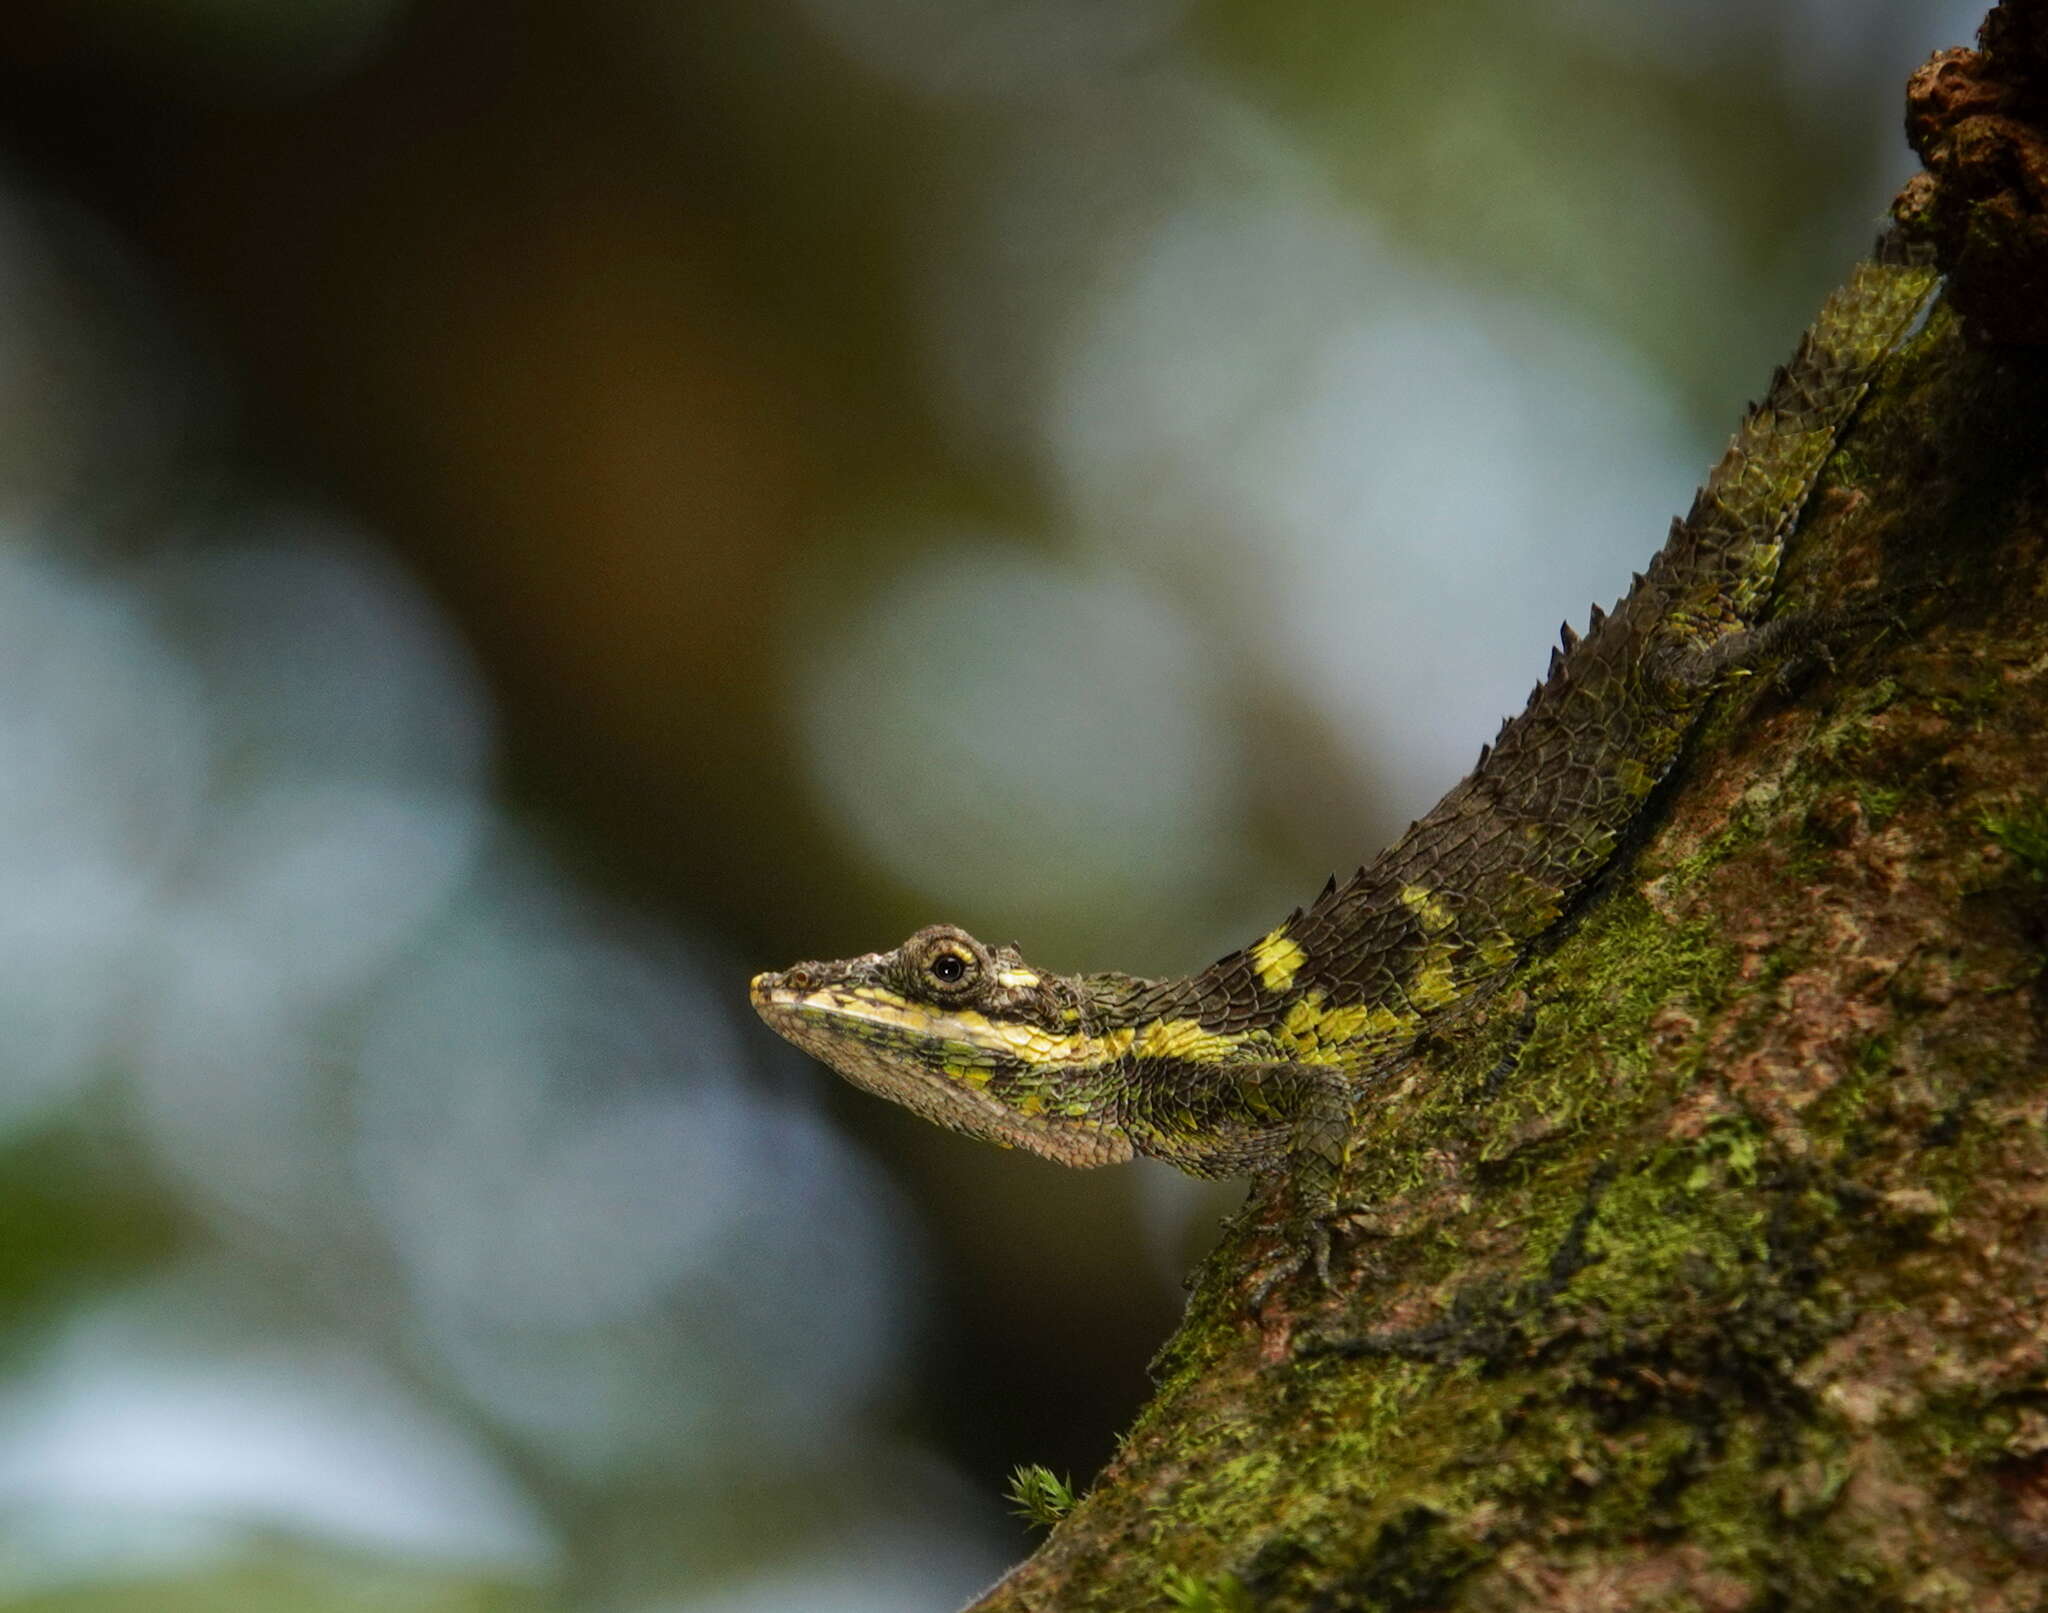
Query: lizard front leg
1297,1166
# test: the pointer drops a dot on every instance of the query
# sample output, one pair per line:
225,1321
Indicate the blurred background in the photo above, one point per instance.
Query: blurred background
515,514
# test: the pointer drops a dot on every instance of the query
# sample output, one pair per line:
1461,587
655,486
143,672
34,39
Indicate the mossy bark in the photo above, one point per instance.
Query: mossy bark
1708,1259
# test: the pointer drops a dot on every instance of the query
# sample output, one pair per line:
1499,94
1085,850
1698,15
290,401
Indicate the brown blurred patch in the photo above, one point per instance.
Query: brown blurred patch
1976,119
530,299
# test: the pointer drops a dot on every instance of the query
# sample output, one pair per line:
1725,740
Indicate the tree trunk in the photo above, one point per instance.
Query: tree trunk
1708,1260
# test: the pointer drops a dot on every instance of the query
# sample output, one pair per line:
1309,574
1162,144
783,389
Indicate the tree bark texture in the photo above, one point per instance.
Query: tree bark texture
1707,1266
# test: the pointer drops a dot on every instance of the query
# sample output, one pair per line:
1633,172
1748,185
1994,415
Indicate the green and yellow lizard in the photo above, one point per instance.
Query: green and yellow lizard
1253,1066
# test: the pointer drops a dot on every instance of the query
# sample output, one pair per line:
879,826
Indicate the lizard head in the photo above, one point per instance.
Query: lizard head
968,1035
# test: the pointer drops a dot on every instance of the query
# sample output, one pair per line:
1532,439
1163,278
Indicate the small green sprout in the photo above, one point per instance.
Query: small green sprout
1038,1495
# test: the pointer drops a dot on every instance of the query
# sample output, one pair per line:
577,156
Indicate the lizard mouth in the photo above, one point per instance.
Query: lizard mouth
792,1007
778,1001
843,1027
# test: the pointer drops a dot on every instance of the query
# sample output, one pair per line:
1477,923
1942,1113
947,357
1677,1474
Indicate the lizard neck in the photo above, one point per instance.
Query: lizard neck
1212,1089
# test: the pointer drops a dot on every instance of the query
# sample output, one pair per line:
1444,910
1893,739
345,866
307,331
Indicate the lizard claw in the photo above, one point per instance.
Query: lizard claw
1307,1243
1810,638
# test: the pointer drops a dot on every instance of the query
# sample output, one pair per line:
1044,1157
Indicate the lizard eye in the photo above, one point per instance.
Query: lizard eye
942,963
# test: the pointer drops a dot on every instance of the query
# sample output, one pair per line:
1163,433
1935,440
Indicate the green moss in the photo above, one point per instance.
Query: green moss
2023,831
1526,1085
1590,1047
1840,1111
1881,802
1220,1593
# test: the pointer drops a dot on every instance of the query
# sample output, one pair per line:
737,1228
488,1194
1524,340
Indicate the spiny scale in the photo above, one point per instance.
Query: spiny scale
1254,1063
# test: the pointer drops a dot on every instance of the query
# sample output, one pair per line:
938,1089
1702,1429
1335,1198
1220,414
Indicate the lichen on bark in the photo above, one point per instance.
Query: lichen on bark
1707,1265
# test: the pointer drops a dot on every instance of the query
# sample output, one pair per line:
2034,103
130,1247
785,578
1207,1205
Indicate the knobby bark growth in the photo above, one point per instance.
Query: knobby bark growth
1708,1265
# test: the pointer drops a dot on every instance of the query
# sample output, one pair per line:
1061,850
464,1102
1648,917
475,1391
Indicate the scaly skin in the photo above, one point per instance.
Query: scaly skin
1253,1065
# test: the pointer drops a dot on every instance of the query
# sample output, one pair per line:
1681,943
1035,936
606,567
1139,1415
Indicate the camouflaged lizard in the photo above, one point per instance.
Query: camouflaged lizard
1254,1065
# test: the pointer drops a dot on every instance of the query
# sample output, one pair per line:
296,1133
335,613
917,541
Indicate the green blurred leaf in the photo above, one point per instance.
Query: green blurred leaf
290,1578
72,1219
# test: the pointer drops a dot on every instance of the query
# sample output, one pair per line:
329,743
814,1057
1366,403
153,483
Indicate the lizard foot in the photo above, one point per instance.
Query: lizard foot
1307,1242
1793,645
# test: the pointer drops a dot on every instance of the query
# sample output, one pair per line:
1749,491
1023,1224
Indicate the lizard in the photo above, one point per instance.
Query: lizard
1254,1065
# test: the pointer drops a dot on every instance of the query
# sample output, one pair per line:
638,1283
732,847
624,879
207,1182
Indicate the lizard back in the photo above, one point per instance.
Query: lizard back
1354,978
